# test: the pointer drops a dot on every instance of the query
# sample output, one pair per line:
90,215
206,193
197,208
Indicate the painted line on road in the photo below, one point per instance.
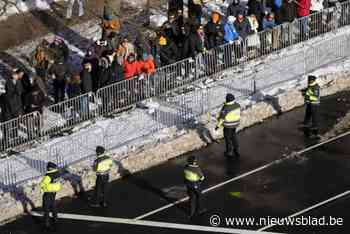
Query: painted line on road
154,224
310,208
243,175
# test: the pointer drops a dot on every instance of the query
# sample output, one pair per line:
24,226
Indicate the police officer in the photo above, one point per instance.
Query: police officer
193,177
229,118
312,102
50,185
102,166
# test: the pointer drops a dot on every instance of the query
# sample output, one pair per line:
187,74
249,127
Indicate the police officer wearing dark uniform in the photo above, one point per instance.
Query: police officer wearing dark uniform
229,117
102,166
312,102
50,185
193,177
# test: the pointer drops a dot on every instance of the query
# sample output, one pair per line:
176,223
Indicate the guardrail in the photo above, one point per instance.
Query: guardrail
122,95
178,111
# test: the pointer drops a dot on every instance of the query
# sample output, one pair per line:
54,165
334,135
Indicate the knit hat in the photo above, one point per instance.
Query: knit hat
311,78
230,97
100,150
162,41
192,159
51,166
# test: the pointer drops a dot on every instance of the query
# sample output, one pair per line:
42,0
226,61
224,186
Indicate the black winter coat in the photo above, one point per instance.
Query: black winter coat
243,28
175,5
35,100
288,11
193,45
233,9
215,34
255,7
86,81
105,77
74,89
60,70
168,53
13,106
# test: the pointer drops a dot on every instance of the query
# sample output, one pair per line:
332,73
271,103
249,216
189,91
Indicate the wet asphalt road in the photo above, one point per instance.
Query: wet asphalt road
276,192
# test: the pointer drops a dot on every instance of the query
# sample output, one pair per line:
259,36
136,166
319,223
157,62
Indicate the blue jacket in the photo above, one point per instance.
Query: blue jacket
277,3
230,33
268,24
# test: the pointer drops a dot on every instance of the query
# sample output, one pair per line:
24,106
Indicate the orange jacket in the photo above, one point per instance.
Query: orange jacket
147,66
131,69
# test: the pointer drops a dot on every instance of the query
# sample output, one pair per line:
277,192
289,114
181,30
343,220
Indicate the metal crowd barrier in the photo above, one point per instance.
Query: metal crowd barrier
122,95
179,111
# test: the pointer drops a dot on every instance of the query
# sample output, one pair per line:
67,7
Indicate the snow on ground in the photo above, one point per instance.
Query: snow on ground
154,121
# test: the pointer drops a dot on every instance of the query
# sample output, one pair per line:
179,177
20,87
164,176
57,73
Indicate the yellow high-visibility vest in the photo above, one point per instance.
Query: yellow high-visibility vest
49,186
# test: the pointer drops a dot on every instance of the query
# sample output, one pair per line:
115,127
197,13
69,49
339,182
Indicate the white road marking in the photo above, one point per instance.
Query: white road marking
154,224
243,175
311,208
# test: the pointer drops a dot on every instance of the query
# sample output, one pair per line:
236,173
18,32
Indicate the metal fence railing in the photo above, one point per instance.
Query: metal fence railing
174,111
122,95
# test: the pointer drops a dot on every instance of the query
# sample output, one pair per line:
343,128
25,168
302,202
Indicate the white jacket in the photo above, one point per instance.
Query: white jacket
316,5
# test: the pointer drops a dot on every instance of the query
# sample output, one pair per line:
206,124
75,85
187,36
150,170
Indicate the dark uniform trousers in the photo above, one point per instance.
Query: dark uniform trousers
101,188
231,141
311,115
49,205
194,192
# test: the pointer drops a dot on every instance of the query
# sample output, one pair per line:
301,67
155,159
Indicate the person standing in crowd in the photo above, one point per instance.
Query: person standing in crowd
35,98
102,166
312,101
193,177
214,31
50,185
59,72
86,78
288,10
234,8
60,49
92,59
147,65
242,26
276,9
70,7
195,10
230,30
125,48
229,117
74,86
269,21
175,6
196,42
255,7
168,51
12,105
105,75
131,67
303,10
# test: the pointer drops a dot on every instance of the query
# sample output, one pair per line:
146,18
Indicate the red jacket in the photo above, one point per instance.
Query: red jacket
131,69
303,8
147,66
